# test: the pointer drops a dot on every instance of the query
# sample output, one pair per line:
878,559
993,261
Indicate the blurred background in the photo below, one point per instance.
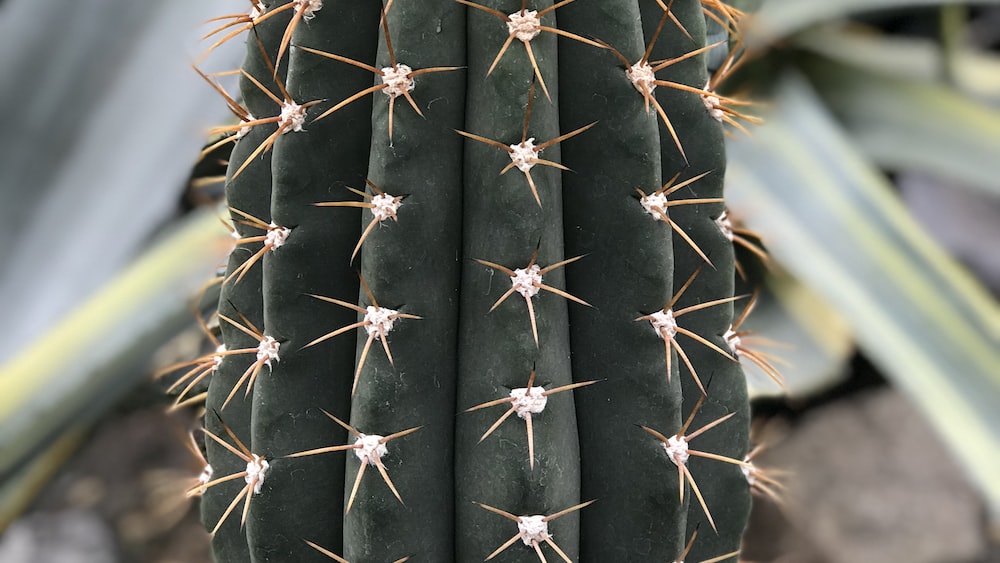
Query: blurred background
874,184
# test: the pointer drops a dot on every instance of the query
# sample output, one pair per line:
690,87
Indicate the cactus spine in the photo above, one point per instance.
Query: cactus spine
486,293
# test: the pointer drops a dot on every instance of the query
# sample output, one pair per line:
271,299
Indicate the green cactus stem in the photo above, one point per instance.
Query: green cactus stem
722,484
627,273
311,163
247,194
411,263
491,290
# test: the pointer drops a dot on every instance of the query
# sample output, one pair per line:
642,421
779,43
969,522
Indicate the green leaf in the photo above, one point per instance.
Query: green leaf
952,28
780,18
19,490
833,222
914,126
103,121
975,73
98,352
812,341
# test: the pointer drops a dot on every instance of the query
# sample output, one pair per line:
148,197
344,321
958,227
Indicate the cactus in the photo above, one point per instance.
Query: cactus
384,394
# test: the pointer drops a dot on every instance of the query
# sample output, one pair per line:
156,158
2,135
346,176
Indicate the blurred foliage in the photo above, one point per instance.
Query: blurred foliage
104,120
845,103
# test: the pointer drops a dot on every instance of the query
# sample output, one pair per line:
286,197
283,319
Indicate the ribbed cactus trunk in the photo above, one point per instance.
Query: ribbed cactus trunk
466,319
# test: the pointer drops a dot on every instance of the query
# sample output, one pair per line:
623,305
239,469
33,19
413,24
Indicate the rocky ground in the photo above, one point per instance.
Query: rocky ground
120,500
867,482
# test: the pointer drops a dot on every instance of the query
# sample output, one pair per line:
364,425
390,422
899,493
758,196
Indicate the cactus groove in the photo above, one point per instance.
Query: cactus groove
479,293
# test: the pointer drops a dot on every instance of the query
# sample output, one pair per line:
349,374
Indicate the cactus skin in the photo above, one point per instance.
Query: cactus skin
250,192
459,220
504,224
723,485
307,167
627,273
412,265
243,298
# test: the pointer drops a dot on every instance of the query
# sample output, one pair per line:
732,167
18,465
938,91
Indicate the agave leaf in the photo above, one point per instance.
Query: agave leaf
811,339
95,354
975,73
103,121
915,126
952,31
832,221
19,490
780,18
